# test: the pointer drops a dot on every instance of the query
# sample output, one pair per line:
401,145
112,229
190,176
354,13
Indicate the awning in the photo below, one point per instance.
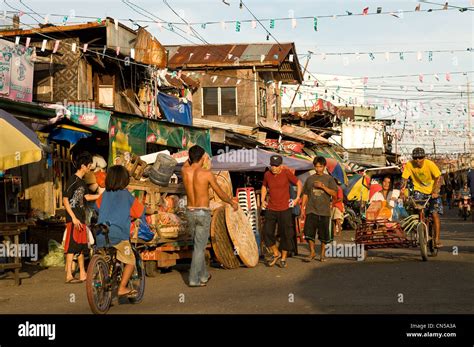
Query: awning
68,133
255,160
19,145
90,117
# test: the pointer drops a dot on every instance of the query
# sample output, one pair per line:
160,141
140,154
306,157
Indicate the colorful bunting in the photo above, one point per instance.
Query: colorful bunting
272,24
315,24
237,26
365,11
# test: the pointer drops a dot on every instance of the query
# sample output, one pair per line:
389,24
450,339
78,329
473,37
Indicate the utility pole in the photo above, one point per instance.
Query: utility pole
469,132
299,85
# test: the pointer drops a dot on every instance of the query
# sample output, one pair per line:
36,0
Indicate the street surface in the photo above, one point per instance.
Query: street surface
388,281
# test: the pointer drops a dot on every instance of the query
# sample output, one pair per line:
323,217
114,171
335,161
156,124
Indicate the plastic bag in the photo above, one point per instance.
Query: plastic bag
399,213
55,256
144,231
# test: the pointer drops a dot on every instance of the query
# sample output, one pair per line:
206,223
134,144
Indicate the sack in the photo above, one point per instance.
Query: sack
55,256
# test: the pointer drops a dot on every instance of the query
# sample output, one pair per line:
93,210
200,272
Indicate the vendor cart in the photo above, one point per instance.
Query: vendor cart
163,251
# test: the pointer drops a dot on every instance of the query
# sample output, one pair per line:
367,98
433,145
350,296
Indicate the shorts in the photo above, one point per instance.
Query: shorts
319,224
434,205
337,214
76,239
125,252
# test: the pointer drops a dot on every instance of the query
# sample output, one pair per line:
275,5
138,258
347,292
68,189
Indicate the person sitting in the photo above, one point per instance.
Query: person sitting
387,193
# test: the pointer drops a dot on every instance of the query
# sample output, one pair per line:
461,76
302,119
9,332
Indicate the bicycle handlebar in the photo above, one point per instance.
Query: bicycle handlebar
419,204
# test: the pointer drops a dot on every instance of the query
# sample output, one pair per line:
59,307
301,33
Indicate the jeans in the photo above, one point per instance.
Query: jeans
199,221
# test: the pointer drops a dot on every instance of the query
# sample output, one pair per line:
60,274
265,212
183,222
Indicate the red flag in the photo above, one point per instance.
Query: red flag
365,11
420,77
448,77
417,8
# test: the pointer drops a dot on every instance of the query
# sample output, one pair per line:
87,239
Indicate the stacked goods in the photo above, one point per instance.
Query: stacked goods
162,169
248,203
170,218
169,225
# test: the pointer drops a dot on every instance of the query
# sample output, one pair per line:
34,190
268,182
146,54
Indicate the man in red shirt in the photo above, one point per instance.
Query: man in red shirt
276,183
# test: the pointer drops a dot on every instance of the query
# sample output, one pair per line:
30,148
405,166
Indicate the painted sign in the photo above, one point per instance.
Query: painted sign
288,146
16,71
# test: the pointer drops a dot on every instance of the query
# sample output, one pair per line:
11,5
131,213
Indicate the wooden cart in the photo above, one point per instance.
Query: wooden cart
162,253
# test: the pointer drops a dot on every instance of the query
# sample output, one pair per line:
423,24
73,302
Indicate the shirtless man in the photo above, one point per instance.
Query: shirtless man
196,182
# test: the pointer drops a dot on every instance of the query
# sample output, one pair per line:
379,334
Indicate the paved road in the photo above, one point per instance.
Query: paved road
377,285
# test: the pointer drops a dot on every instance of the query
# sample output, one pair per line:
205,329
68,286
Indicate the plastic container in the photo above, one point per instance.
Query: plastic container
162,169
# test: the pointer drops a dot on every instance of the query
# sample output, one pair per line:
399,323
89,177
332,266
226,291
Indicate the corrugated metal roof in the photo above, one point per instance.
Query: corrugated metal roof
238,55
225,54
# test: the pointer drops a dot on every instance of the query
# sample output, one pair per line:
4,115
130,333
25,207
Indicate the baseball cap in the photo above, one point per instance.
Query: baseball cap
276,160
418,153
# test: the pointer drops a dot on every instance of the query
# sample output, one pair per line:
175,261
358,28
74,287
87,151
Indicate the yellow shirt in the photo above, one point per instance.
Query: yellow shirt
424,177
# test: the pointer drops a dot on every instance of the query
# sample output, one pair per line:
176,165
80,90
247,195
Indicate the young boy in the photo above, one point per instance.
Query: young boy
74,201
316,207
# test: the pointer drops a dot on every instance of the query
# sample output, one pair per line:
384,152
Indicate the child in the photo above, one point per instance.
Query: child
74,201
338,210
116,208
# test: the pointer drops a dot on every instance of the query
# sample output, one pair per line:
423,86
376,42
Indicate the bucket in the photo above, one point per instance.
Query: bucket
162,169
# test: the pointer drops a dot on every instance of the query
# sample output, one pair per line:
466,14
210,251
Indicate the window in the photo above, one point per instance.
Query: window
210,101
228,102
220,101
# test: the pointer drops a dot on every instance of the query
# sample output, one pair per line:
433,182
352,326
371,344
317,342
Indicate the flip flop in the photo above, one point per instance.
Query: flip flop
74,281
130,293
308,259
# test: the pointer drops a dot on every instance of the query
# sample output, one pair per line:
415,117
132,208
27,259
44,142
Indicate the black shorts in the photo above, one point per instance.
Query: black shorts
321,224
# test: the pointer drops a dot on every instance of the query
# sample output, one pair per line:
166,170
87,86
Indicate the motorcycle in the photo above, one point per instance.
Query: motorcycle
351,217
465,207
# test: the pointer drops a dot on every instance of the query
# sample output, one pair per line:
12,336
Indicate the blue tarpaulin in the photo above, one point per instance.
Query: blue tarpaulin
69,134
175,110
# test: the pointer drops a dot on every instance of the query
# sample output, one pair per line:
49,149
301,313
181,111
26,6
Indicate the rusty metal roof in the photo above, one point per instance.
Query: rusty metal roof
260,55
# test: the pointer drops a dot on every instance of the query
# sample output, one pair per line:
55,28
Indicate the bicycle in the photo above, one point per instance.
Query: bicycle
424,229
104,274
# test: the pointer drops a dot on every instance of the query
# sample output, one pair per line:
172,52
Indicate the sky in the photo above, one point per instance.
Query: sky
432,106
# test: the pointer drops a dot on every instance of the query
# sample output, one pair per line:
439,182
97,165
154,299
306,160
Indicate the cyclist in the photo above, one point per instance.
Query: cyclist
117,207
426,178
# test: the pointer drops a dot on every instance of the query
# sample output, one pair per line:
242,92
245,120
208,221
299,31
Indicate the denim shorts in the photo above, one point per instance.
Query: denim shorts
434,206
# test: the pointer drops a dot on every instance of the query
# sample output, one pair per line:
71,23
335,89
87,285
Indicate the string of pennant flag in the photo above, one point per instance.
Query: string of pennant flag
65,18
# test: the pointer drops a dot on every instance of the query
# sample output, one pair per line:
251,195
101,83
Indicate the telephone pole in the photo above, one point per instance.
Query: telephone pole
469,132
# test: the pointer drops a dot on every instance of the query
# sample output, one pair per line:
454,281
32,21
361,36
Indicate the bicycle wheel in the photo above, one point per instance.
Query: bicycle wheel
98,290
422,232
137,281
431,242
